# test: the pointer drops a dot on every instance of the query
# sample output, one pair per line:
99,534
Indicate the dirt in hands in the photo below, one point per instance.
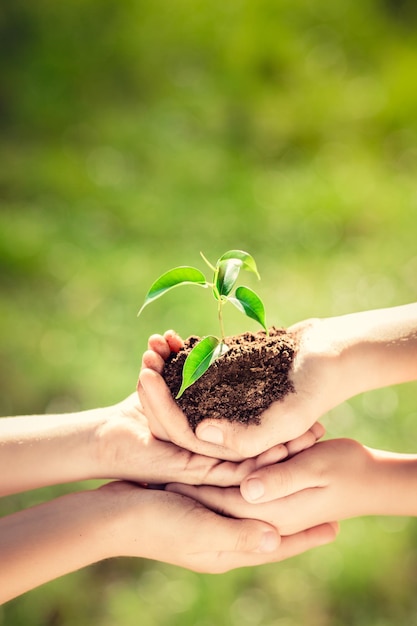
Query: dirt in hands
241,384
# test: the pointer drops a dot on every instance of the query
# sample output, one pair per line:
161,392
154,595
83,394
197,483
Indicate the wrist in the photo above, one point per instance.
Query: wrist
374,348
126,519
51,539
118,439
339,341
323,353
393,480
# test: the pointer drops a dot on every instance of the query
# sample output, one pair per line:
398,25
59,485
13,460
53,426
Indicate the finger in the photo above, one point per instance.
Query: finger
245,441
175,342
319,430
155,427
152,360
271,456
303,442
175,424
243,536
290,546
280,480
159,344
251,440
219,535
229,502
309,438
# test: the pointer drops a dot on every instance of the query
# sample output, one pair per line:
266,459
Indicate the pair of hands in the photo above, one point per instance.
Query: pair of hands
232,496
216,479
296,487
205,540
202,480
310,488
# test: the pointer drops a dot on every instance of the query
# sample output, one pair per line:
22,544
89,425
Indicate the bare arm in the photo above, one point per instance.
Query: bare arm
112,442
334,479
40,450
120,519
337,358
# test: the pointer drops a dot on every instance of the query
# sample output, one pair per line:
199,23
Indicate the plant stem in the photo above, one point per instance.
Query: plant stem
220,314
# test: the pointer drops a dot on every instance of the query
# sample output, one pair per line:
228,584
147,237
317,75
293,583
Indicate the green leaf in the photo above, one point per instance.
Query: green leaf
248,262
249,303
226,275
173,278
199,360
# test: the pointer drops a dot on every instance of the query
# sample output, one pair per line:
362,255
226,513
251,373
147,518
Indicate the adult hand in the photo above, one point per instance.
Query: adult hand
112,442
204,540
123,519
125,448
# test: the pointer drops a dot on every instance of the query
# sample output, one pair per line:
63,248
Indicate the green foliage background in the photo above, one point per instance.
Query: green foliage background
135,134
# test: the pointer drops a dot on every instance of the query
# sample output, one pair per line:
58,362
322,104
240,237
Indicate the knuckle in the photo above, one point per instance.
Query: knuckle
248,538
246,447
279,481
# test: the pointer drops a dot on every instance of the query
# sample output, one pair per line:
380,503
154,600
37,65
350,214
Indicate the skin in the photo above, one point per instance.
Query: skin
337,358
334,479
112,442
124,517
167,422
121,519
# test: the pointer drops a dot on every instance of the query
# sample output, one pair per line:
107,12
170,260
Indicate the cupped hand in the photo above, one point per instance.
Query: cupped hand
287,427
332,480
147,520
317,390
125,448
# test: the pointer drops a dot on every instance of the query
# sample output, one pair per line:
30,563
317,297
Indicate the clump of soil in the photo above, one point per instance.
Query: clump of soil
242,383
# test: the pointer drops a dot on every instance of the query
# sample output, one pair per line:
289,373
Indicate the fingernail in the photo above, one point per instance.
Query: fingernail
254,489
210,434
269,542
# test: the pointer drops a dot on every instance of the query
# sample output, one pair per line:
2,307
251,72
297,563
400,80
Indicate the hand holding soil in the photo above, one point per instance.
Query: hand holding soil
167,420
233,379
334,359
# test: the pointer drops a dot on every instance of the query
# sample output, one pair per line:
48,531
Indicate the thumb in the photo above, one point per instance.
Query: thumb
234,535
173,421
244,441
279,480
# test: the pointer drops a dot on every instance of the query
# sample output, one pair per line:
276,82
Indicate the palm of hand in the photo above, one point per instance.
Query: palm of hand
131,452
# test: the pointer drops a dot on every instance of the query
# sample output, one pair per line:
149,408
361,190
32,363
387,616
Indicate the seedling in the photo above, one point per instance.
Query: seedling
225,275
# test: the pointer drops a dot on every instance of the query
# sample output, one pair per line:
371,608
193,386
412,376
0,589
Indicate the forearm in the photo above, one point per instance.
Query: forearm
41,450
373,349
392,484
52,539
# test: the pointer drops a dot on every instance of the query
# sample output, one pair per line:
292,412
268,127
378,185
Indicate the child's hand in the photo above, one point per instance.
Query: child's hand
169,423
333,480
125,448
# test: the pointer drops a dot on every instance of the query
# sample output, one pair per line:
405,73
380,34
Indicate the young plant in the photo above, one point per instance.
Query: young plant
225,275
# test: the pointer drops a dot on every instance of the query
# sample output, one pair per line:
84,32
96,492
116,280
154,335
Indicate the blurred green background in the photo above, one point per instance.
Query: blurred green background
135,134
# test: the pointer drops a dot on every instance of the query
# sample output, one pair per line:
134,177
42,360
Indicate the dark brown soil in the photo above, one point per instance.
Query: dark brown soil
242,383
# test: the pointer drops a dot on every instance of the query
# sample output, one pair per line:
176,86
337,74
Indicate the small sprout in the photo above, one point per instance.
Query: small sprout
226,272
